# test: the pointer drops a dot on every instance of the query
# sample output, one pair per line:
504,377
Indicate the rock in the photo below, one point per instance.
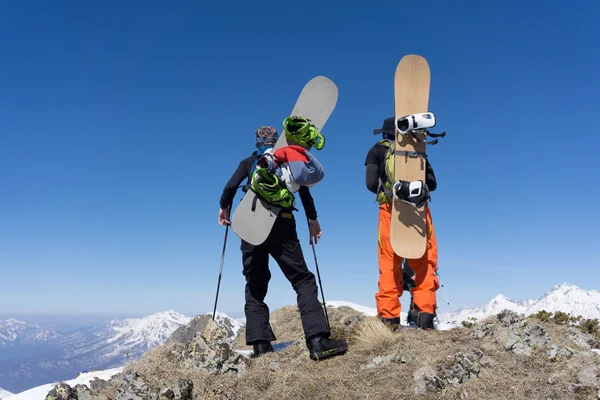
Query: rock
62,391
464,368
588,377
525,336
377,361
574,387
98,384
487,362
185,389
133,387
481,331
212,352
274,366
553,378
185,334
83,392
425,380
582,339
508,318
385,360
556,353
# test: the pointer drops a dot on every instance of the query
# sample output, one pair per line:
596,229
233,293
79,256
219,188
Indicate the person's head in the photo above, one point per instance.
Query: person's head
388,129
266,137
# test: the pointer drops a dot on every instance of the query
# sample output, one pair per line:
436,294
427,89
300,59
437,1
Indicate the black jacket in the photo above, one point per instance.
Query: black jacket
244,172
375,163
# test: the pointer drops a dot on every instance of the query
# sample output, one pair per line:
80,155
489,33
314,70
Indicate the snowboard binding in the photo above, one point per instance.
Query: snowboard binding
414,193
418,123
303,132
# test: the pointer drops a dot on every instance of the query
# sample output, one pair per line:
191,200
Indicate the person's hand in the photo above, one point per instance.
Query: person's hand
224,216
314,231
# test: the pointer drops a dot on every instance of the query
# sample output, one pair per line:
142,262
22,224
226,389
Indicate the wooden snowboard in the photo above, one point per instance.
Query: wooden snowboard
408,232
253,218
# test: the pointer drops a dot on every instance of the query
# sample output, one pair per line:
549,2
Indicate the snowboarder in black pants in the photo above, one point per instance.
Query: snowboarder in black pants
283,245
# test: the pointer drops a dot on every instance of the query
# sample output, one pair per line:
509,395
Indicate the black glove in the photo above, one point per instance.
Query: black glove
414,193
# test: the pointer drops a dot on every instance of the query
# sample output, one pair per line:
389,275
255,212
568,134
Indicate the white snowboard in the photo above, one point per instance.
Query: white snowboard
253,218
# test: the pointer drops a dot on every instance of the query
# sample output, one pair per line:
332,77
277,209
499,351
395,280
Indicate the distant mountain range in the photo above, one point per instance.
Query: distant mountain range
566,298
32,355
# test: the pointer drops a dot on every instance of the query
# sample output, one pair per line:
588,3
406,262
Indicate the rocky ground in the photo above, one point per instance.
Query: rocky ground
504,357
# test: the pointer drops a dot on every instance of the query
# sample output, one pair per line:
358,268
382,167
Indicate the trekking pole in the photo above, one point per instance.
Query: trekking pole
220,272
318,274
442,285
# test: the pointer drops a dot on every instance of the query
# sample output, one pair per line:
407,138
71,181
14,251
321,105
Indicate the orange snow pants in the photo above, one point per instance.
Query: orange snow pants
390,270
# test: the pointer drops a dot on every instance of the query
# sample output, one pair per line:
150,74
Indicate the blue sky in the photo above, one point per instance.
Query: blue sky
120,122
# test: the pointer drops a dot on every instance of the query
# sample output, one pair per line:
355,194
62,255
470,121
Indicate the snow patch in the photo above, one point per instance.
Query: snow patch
4,394
40,392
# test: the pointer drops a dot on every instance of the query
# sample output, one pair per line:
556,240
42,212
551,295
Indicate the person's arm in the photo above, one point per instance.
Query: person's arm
314,228
372,177
230,189
372,171
308,203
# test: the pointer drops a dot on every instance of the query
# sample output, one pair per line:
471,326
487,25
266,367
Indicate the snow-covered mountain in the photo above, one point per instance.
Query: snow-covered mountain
38,356
566,298
146,333
19,333
4,394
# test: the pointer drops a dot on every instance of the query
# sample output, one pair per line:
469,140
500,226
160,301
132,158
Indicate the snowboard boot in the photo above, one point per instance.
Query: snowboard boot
303,132
392,323
261,347
415,122
321,347
401,328
421,320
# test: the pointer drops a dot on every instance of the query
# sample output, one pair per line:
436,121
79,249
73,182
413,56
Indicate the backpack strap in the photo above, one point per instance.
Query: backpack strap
381,185
248,183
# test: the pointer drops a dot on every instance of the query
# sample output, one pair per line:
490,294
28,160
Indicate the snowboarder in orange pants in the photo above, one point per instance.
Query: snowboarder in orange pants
391,284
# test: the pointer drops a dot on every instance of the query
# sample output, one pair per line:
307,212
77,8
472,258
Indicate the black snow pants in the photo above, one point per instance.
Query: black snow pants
283,245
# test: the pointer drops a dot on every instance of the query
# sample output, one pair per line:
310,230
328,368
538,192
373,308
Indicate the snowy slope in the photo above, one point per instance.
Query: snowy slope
40,392
4,394
147,332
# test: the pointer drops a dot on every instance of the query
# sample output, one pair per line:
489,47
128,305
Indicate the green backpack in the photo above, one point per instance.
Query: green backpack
384,191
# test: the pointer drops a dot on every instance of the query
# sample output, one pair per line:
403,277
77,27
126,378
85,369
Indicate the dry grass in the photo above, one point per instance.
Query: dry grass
504,374
287,326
